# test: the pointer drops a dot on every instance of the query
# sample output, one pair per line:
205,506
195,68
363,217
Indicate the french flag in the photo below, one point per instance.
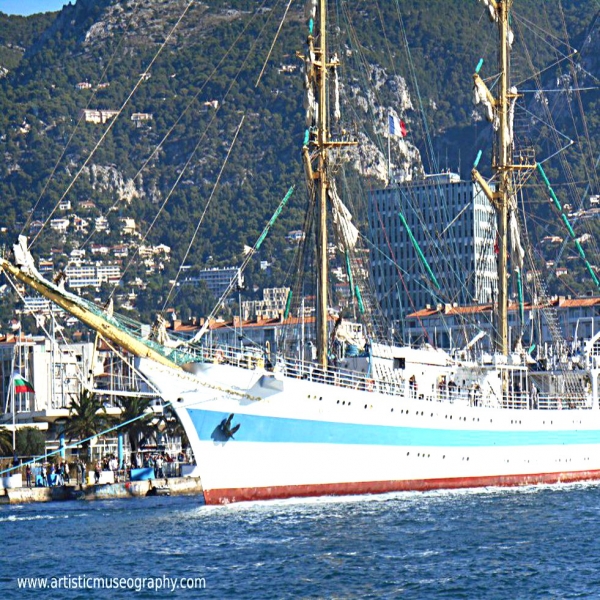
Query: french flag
397,127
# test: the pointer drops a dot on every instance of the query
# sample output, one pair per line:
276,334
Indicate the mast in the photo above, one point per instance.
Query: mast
499,110
316,148
322,145
503,169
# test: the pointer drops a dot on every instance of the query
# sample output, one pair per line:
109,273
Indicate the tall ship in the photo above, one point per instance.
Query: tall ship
365,417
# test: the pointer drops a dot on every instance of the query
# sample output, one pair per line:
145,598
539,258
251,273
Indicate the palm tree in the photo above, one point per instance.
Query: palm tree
6,445
171,425
87,417
142,428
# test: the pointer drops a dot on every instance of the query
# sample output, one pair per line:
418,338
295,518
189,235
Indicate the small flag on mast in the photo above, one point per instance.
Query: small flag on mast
22,386
397,127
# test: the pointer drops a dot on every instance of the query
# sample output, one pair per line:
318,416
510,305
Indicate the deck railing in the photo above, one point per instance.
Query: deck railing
390,382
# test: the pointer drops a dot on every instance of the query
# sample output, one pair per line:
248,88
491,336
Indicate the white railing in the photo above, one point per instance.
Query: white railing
254,357
389,382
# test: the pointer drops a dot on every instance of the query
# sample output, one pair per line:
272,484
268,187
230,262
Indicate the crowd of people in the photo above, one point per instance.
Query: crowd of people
50,474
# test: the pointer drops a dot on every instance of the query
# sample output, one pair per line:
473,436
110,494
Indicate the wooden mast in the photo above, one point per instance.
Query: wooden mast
503,168
502,164
323,149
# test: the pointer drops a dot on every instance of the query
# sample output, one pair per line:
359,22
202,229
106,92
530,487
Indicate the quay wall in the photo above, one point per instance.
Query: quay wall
131,489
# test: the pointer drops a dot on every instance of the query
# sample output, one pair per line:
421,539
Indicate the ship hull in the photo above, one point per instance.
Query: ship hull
300,438
230,495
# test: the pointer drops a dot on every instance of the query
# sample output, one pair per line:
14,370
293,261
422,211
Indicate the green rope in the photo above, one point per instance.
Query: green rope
276,214
350,278
419,251
361,305
568,225
288,305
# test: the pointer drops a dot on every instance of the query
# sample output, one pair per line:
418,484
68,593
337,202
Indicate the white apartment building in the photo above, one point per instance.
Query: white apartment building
92,275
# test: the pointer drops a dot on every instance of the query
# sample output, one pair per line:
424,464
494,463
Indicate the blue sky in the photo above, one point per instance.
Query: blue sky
30,7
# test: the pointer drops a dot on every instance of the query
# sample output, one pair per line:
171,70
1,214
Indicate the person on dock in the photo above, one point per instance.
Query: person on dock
159,466
97,471
28,475
59,477
81,471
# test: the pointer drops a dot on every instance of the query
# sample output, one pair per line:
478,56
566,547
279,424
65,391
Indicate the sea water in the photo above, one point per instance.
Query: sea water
533,542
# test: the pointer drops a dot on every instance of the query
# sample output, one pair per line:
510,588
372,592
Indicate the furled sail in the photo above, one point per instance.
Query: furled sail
23,258
491,6
310,102
516,247
481,96
511,113
310,9
346,232
337,113
493,12
159,333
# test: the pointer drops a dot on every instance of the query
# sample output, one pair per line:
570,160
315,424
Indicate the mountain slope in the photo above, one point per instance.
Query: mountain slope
200,84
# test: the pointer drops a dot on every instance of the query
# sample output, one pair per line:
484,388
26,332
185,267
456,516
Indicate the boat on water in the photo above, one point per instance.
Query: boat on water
382,418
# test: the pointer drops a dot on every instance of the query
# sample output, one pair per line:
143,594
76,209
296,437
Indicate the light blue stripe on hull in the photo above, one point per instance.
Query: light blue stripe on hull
258,428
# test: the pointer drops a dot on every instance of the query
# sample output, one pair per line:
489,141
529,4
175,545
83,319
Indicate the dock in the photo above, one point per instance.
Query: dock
171,486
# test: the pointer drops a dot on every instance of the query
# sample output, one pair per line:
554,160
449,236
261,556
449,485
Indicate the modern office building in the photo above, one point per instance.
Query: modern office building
433,243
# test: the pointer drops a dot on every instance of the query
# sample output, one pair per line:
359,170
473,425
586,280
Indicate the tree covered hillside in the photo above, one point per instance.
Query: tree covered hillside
174,84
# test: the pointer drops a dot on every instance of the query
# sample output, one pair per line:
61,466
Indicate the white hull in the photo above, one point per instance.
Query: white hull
303,438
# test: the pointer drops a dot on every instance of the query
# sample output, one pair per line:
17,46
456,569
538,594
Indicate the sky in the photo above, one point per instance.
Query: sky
30,7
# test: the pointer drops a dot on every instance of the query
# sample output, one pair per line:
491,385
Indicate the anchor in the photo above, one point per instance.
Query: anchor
226,428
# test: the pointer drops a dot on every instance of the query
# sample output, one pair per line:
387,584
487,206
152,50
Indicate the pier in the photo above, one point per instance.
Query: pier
172,486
